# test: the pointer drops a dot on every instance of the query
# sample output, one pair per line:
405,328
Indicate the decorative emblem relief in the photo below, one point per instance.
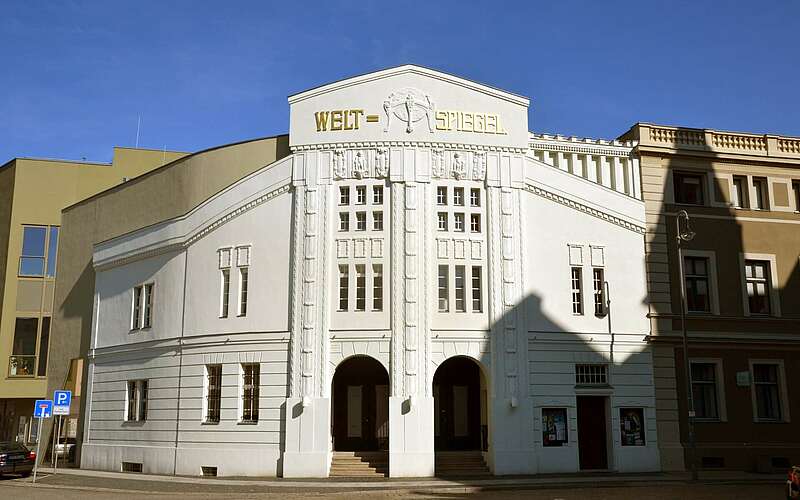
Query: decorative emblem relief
409,105
359,164
453,164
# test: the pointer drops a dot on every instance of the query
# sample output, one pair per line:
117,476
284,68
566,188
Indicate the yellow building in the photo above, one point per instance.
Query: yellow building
32,194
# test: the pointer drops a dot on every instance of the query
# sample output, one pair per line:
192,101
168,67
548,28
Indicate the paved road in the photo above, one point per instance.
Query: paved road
65,488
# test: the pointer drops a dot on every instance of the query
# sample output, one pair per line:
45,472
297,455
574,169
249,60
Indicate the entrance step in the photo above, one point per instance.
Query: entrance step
461,464
360,464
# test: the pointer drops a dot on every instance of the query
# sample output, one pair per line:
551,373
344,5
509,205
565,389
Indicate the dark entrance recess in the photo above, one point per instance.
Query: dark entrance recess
457,405
360,406
592,428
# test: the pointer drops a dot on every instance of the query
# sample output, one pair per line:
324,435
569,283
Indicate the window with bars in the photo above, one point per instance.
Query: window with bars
377,195
136,408
591,374
475,223
344,195
344,286
361,288
598,280
461,304
441,195
458,196
250,389
361,195
244,276
226,293
475,197
213,392
444,289
441,218
477,300
344,221
361,221
697,290
577,290
458,222
704,390
377,221
767,391
377,287
758,286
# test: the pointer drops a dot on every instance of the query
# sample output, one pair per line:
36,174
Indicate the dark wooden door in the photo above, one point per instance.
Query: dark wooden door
592,428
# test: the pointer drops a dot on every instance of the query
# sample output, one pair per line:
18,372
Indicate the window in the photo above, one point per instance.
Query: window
226,293
704,390
442,220
458,222
461,305
213,393
441,195
344,285
688,188
377,221
142,307
377,287
631,423
767,391
22,362
243,278
577,291
250,384
475,223
344,195
444,289
591,374
44,343
39,247
796,192
147,302
477,305
598,283
52,250
760,196
697,289
756,274
361,288
739,191
136,316
377,195
361,221
136,408
361,195
458,197
475,197
344,221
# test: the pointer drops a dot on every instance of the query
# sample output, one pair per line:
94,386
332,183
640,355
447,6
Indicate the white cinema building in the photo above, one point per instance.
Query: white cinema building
421,277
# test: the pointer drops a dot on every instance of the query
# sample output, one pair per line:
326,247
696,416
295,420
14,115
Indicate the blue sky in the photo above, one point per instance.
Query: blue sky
75,75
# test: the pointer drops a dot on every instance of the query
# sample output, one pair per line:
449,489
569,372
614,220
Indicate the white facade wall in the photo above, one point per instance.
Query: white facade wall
538,196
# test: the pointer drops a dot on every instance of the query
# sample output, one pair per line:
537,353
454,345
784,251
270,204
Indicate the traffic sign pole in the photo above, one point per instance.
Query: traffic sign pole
55,449
38,450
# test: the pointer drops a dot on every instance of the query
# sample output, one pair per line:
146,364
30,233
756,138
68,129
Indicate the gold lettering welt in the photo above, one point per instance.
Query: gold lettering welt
338,119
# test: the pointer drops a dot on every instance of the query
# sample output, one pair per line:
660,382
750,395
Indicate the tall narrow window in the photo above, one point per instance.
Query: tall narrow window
704,390
760,196
377,287
458,222
136,316
361,195
32,259
44,343
739,191
142,412
458,197
250,387
442,221
441,195
225,297
344,285
361,288
577,291
136,405
361,221
444,289
696,273
598,280
796,192
130,411
147,302
475,223
477,305
344,221
377,221
213,392
243,278
344,195
377,195
461,305
52,250
757,281
767,391
475,197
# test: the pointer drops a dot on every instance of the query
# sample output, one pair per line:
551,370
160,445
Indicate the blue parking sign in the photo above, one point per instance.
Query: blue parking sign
61,402
43,408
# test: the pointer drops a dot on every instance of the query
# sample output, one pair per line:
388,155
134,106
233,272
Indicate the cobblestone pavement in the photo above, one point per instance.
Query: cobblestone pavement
64,487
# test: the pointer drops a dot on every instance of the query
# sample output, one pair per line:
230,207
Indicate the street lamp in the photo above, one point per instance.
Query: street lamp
686,235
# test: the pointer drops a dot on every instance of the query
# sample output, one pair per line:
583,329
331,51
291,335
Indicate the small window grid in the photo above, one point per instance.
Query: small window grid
452,206
363,209
458,275
577,290
368,292
591,374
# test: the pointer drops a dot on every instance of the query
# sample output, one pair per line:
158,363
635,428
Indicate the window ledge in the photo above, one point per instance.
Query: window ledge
247,422
205,422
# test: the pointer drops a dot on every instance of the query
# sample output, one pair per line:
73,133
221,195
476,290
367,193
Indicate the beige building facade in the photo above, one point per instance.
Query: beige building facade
32,194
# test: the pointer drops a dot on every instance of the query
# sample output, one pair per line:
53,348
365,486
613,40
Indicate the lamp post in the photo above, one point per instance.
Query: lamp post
684,236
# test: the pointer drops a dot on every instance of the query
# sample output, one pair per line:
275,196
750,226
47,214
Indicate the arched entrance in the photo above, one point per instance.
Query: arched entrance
360,412
460,402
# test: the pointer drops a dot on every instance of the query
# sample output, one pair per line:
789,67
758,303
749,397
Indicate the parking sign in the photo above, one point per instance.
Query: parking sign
43,408
61,402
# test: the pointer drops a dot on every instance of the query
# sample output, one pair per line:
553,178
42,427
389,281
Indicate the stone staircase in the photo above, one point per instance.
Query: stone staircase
360,464
461,464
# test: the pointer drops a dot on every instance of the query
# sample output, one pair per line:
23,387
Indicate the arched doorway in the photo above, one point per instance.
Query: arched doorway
460,406
360,406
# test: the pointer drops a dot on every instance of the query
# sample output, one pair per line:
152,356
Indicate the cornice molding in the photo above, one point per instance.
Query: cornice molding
329,146
537,190
577,147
